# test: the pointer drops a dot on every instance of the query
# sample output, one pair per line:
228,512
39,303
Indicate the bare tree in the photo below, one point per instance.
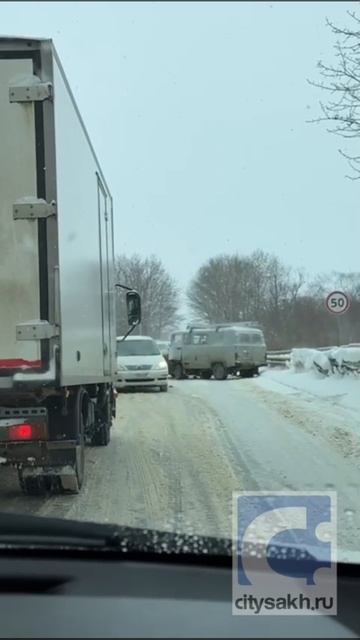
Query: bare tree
217,292
323,284
283,286
256,287
160,296
341,81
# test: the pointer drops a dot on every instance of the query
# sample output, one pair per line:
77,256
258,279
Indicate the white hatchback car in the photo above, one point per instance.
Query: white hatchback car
140,364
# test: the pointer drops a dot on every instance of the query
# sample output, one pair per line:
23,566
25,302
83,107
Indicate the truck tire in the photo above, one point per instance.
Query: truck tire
219,371
205,375
73,483
178,371
164,387
101,434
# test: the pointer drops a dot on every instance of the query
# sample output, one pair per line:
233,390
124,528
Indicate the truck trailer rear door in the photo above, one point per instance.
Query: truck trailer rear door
20,157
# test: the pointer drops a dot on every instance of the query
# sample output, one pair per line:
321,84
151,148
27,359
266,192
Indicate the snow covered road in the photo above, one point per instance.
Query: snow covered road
175,458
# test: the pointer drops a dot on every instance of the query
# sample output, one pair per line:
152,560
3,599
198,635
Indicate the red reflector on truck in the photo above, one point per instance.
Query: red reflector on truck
19,363
27,431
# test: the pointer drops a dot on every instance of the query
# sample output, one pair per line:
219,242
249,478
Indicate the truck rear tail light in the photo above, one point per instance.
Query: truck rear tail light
27,431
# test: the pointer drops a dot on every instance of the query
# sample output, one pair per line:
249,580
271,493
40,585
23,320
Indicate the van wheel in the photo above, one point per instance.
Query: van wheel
205,375
178,371
219,371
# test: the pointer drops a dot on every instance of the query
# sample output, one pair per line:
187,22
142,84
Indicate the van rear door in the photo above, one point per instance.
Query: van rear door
258,348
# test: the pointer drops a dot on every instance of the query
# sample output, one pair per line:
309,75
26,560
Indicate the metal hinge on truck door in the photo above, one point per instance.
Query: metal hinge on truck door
33,208
30,90
37,330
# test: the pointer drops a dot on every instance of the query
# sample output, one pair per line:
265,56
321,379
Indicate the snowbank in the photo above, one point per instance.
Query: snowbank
346,355
302,359
341,360
335,390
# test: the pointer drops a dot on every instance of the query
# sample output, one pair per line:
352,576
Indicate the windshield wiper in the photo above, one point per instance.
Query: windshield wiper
27,530
24,531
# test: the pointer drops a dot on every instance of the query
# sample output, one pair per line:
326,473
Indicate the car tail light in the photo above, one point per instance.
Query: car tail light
27,431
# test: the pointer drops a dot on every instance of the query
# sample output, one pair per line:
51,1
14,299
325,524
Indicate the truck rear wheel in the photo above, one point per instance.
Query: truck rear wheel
219,371
101,437
73,482
101,433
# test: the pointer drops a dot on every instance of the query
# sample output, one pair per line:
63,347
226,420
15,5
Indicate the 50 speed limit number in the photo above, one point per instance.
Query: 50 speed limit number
337,302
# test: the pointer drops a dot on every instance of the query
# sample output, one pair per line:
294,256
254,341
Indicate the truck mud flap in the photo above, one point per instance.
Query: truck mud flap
54,479
61,470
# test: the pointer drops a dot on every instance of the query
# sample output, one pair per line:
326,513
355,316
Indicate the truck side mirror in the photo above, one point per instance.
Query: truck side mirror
133,305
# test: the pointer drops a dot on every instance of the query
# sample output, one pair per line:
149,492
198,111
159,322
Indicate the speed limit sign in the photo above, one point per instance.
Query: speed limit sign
337,302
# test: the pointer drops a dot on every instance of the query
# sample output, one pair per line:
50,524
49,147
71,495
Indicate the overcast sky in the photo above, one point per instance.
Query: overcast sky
198,114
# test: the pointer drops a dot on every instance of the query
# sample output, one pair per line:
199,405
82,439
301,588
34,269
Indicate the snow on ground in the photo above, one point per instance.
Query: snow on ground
339,390
326,407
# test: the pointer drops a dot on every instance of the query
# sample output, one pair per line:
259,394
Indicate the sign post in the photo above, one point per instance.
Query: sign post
338,303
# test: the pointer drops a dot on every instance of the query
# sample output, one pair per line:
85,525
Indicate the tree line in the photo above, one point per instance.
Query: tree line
232,287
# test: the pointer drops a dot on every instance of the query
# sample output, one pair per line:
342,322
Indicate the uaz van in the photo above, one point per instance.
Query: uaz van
217,350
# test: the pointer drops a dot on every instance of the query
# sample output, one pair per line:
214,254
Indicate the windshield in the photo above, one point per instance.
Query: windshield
138,348
219,179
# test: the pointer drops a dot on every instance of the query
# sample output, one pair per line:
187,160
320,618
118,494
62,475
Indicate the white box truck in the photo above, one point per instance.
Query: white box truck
57,289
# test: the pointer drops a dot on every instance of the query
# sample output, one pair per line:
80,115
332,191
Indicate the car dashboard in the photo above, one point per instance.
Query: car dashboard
58,594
